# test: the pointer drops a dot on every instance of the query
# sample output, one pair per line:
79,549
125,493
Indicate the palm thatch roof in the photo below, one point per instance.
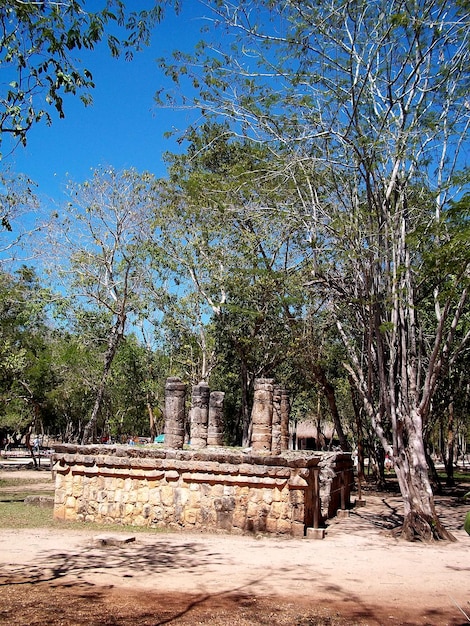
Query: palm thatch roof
308,429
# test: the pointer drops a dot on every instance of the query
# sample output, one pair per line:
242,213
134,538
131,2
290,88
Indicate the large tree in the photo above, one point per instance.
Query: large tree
366,106
97,251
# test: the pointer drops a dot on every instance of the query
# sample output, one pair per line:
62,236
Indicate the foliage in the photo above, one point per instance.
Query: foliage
237,268
49,374
135,388
39,42
25,356
98,252
467,523
75,364
365,108
16,198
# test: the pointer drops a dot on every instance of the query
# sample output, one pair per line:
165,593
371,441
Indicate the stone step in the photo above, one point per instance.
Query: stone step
114,540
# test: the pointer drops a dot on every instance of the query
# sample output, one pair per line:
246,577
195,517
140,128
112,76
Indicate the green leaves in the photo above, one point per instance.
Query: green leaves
37,43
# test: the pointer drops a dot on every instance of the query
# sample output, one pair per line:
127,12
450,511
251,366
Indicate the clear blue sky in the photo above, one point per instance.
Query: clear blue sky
122,128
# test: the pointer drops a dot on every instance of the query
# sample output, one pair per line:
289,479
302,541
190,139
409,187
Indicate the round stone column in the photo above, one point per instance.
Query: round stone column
262,415
285,416
175,394
276,426
215,428
199,415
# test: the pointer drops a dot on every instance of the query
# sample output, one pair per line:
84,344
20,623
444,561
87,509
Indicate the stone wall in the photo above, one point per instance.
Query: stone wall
205,489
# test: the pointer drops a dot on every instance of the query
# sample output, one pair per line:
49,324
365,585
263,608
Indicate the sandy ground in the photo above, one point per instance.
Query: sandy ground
358,572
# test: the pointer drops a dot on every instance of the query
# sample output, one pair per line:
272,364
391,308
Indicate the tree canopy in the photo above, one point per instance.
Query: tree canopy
39,42
365,107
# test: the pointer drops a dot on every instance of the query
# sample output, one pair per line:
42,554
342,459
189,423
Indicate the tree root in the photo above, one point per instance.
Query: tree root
418,526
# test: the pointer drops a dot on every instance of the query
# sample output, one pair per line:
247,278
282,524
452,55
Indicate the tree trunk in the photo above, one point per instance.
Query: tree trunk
113,343
152,428
359,435
449,453
30,448
433,475
329,392
420,518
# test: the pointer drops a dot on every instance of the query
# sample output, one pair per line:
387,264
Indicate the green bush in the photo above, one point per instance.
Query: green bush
467,523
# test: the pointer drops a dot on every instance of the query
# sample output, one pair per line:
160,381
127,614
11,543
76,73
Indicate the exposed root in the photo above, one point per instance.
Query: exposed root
418,526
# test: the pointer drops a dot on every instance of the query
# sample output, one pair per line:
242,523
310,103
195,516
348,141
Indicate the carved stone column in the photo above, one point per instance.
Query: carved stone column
215,428
199,415
175,394
262,415
276,425
285,416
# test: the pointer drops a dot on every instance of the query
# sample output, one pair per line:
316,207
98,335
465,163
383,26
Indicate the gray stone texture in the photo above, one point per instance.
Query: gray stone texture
262,415
215,428
199,415
175,396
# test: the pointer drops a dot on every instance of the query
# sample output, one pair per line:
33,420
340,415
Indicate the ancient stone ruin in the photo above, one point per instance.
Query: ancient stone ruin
215,427
205,416
204,486
199,415
289,494
175,397
270,417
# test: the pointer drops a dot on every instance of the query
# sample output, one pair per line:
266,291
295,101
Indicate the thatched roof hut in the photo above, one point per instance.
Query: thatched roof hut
306,436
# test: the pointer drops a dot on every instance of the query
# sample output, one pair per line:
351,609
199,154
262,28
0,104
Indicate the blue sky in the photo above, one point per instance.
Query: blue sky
122,128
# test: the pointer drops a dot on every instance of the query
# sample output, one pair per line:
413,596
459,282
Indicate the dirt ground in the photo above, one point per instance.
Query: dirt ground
360,573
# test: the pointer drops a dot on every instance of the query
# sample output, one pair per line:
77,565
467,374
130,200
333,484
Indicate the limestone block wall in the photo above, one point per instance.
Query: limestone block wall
204,490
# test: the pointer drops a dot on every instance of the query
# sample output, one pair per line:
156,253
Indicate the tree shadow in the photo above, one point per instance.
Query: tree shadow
388,518
451,511
143,559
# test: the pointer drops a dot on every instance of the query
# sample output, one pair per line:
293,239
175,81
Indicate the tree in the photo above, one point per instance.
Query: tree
136,391
235,263
38,46
17,200
98,254
366,105
76,353
449,408
25,356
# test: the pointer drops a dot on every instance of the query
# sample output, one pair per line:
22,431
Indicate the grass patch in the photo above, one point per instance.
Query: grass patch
14,513
459,475
19,482
19,496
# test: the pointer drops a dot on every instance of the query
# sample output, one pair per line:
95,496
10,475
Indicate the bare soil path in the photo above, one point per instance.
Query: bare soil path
359,574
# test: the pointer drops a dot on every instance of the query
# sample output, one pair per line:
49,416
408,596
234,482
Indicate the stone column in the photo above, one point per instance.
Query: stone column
175,394
285,416
199,415
215,429
276,426
262,415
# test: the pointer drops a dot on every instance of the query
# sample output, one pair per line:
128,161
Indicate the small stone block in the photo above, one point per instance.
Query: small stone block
41,501
117,540
315,533
342,513
360,503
